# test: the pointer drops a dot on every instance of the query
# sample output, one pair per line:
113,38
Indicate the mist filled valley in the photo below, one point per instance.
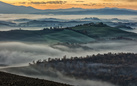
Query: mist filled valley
56,48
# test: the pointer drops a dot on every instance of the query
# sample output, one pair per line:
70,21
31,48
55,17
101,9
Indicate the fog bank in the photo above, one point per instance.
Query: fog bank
17,53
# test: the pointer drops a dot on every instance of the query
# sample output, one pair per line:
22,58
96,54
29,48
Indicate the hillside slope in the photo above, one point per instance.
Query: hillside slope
101,30
49,36
7,79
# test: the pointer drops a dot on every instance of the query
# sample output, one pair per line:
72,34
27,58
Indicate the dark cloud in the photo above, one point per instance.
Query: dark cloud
93,4
101,4
80,1
47,2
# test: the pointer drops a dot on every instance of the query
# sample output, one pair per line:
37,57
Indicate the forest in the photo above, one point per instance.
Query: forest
117,68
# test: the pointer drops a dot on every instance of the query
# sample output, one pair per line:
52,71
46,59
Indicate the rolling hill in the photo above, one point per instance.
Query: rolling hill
78,34
49,36
100,30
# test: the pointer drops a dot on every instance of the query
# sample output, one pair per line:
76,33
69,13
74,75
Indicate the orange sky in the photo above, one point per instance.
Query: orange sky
62,4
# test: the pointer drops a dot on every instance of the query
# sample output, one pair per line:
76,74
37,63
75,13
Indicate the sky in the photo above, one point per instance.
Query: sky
64,4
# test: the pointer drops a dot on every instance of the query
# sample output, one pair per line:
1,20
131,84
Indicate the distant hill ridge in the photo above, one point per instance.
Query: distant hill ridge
7,8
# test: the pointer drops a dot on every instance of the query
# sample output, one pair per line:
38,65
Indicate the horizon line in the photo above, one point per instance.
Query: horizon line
69,7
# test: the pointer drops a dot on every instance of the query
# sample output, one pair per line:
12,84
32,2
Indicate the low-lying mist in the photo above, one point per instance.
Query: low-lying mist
53,75
15,53
18,53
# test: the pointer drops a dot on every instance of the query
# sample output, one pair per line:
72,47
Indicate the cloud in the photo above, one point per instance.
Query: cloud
43,2
80,1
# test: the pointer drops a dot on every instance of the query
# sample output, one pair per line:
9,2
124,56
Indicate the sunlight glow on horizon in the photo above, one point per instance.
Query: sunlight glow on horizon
64,4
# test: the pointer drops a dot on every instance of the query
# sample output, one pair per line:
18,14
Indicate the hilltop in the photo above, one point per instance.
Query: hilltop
100,30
